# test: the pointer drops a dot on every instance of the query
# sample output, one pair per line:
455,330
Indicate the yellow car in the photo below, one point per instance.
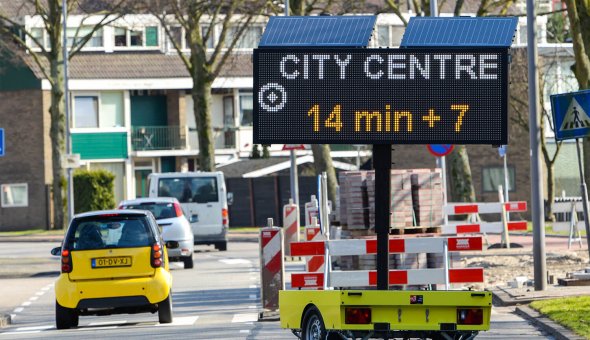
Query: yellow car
113,261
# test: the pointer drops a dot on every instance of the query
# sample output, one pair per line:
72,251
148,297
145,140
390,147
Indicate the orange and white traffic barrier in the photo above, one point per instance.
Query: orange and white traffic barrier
354,278
271,266
484,208
290,225
480,228
313,233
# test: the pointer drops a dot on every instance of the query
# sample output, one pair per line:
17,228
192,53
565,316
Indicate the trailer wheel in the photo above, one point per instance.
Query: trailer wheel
313,327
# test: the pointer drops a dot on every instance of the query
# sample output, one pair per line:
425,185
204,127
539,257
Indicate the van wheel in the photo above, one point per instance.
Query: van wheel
313,327
188,262
221,246
65,317
165,310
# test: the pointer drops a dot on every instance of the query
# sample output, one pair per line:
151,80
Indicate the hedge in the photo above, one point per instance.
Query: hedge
93,190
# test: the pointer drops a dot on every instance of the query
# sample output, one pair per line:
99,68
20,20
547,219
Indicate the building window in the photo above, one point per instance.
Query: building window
77,34
39,34
136,38
15,195
120,36
249,38
86,111
494,176
176,33
246,109
228,111
151,36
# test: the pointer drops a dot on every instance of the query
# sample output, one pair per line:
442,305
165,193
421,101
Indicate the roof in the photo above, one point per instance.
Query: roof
138,65
250,168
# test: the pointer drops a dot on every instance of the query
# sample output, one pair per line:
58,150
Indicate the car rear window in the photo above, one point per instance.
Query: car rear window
159,210
187,189
100,232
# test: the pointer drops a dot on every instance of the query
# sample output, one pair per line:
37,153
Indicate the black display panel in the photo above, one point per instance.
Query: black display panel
380,96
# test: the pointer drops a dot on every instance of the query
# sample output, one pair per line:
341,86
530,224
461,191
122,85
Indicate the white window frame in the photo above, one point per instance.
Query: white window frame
128,46
240,109
82,94
44,41
242,49
14,205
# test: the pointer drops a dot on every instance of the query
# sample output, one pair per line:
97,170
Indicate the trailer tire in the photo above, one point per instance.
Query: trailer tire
313,327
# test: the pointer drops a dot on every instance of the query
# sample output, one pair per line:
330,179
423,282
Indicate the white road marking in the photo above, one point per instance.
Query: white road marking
95,328
34,298
252,296
34,328
248,317
40,293
108,323
46,288
181,321
234,261
246,331
253,277
26,303
18,309
252,307
253,286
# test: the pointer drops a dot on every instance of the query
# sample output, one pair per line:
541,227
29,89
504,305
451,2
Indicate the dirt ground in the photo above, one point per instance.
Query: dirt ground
504,265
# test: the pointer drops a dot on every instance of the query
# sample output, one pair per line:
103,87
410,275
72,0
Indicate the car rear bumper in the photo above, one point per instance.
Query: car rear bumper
185,249
75,294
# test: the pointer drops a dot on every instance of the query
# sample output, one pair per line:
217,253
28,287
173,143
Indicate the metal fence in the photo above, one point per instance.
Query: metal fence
159,138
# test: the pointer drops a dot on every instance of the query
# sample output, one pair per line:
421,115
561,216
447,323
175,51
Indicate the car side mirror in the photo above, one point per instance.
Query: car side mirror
230,198
172,244
56,251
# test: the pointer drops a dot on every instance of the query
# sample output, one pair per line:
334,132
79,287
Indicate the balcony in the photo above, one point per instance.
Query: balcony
147,138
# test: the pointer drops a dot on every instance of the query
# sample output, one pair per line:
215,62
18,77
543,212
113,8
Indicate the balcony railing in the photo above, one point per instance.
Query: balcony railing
144,138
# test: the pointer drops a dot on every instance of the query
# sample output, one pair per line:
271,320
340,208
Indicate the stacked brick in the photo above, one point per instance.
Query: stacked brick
427,197
402,211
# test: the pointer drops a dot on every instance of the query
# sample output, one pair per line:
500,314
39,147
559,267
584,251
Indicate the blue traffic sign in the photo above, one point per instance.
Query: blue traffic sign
571,114
502,150
440,150
1,142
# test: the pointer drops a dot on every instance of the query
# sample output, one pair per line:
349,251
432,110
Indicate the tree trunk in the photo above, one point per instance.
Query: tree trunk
461,181
57,135
201,94
550,191
323,162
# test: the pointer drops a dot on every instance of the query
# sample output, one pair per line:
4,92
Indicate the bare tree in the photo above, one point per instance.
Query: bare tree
579,20
49,59
202,21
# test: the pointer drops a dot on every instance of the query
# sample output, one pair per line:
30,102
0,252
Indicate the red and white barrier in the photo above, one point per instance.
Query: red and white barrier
360,278
271,266
290,225
479,228
573,226
312,210
313,263
396,277
484,208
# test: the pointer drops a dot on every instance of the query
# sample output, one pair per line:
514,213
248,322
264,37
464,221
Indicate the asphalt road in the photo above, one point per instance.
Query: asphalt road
218,299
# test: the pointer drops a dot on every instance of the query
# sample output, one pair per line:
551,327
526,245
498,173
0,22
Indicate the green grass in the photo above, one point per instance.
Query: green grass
244,229
571,312
549,230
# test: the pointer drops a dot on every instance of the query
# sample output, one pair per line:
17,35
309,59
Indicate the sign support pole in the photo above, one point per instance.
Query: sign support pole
584,191
382,165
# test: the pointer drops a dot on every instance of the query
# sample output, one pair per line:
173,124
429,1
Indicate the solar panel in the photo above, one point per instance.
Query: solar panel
459,31
293,31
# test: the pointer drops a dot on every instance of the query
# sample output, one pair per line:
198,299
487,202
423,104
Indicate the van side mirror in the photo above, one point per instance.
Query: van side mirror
56,251
230,198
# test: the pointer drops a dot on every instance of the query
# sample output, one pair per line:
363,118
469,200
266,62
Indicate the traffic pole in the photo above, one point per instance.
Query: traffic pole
584,191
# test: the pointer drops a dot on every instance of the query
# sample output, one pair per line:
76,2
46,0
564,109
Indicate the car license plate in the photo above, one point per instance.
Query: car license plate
118,261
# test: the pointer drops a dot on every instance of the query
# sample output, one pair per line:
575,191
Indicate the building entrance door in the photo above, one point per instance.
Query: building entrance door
141,183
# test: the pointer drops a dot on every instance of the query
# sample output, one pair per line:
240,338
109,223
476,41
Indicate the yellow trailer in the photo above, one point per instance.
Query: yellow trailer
352,314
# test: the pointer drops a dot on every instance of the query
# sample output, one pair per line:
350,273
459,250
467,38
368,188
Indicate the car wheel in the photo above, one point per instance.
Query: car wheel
188,262
313,327
222,246
65,317
165,310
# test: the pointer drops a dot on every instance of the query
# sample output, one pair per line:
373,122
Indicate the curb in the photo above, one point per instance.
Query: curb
546,324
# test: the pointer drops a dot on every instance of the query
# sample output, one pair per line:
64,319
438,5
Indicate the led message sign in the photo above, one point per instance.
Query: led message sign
380,96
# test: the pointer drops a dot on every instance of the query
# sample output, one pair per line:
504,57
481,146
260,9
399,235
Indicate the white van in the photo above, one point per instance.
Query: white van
203,198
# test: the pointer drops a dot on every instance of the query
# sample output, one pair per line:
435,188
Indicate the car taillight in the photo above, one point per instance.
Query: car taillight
178,209
156,255
358,316
224,217
66,261
469,316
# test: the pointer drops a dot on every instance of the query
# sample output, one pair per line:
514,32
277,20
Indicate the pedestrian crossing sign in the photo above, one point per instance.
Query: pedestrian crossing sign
571,114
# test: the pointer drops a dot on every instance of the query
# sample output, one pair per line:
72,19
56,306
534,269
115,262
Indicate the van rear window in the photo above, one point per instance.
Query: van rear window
189,190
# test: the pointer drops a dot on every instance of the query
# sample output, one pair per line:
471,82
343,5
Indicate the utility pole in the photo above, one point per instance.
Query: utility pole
537,211
70,181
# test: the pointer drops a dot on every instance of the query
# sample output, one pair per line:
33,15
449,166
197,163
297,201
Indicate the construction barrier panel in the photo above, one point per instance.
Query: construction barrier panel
290,226
271,266
314,263
311,210
574,225
453,228
356,278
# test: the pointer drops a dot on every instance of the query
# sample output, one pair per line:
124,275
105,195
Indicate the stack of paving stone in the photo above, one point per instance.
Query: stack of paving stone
427,199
